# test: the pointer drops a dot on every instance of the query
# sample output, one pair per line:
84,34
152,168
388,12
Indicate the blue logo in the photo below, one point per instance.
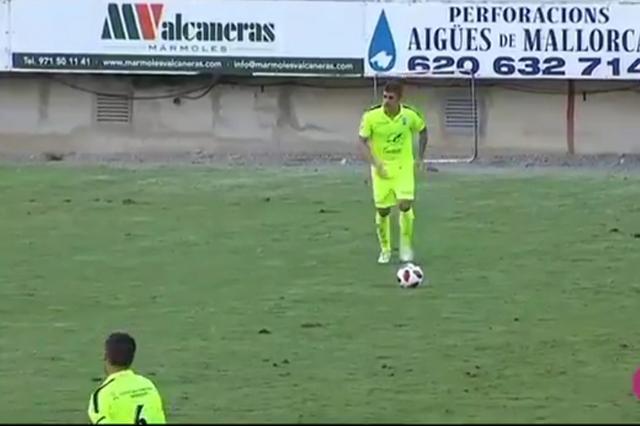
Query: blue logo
382,49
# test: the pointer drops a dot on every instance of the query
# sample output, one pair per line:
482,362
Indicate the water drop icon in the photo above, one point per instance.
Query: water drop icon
382,49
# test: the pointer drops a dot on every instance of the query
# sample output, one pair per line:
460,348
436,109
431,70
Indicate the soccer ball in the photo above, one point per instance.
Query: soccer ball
410,276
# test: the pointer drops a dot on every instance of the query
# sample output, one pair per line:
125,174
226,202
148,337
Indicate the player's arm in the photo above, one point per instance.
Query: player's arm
100,408
366,150
160,417
423,140
364,134
420,127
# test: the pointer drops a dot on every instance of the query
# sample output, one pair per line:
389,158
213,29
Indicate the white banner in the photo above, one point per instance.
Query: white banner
230,36
521,40
4,36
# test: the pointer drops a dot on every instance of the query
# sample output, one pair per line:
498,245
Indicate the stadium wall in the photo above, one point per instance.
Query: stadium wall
556,77
63,113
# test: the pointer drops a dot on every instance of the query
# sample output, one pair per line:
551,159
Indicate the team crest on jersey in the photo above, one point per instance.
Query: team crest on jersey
394,138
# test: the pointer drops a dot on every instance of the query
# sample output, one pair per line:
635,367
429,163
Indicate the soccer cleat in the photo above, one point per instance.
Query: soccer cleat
406,254
385,257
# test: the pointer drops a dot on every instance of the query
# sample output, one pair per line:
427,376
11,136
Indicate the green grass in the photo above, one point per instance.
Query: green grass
530,315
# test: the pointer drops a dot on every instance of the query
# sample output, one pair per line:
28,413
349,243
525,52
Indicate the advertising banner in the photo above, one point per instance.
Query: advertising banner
4,36
501,40
187,36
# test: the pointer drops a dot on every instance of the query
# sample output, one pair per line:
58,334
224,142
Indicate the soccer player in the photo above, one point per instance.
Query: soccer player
386,137
124,397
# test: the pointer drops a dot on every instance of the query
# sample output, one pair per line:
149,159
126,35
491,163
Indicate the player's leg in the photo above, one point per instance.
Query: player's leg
406,218
405,192
383,230
384,200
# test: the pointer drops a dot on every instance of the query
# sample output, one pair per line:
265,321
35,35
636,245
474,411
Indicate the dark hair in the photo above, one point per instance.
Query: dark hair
120,349
394,87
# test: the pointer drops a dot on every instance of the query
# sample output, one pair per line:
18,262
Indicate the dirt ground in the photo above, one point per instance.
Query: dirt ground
543,162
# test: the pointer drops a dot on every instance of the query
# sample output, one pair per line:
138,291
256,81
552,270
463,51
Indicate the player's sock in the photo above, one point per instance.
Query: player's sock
406,228
383,229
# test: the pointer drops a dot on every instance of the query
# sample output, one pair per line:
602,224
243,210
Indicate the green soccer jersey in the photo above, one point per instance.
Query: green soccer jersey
391,138
126,398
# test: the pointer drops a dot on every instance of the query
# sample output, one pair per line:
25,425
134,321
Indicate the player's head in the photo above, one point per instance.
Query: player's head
119,351
392,94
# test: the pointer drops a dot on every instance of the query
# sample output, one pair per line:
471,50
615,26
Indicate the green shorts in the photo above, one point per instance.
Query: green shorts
400,185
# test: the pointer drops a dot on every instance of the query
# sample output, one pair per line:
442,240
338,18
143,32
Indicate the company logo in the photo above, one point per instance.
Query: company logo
132,22
145,21
394,138
382,49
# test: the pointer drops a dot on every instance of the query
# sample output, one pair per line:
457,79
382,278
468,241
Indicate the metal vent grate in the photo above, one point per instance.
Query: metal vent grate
111,109
459,114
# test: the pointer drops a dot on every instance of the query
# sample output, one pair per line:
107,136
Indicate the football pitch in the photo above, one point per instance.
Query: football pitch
255,296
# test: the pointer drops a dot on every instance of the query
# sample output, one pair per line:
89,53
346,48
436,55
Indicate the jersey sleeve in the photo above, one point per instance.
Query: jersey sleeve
418,122
365,126
100,407
159,415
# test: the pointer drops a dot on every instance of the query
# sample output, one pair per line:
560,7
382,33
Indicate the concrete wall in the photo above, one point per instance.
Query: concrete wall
40,114
607,121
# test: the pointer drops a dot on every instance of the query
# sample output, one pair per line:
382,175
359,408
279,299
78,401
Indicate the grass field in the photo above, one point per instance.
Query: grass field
530,314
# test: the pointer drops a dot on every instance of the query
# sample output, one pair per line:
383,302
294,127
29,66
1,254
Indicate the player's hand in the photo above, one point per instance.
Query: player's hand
381,170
